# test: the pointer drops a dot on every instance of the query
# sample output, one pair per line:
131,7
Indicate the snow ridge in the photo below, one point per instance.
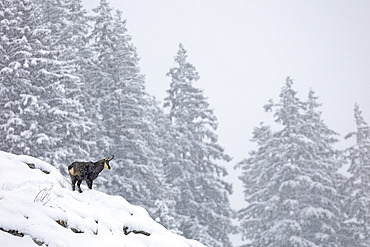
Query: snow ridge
38,208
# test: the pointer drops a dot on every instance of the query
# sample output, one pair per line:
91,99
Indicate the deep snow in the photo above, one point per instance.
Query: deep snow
37,207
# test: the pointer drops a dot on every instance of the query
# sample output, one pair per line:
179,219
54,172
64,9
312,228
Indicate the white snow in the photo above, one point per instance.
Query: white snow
316,212
37,204
6,70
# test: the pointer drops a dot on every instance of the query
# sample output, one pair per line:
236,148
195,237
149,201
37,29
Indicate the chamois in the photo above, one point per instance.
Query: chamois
87,171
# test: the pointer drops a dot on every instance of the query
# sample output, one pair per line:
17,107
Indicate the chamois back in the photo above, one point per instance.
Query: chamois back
87,171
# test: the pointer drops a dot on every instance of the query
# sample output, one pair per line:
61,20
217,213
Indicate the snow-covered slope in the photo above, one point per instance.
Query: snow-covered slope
38,208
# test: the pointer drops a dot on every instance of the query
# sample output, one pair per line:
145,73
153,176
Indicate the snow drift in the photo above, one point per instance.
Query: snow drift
38,208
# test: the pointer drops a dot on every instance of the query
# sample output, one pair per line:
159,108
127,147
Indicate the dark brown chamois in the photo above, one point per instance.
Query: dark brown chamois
87,171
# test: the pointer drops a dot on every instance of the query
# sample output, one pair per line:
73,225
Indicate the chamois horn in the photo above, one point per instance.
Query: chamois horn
110,158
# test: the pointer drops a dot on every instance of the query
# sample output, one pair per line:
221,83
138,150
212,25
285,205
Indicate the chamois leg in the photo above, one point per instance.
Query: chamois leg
78,186
73,183
89,184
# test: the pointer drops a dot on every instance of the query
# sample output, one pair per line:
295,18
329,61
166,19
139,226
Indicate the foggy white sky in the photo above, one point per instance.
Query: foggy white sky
244,50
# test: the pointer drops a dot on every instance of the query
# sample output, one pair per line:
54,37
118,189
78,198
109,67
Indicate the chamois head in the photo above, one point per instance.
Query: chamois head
106,162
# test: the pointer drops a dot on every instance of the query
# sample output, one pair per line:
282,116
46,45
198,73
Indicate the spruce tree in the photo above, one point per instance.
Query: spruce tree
123,112
289,181
41,113
72,128
357,187
21,63
202,204
98,85
27,84
164,210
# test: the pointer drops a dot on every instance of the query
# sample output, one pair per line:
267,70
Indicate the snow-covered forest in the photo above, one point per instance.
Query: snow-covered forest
71,89
295,191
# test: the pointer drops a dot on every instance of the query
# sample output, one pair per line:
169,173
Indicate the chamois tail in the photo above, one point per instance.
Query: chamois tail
71,169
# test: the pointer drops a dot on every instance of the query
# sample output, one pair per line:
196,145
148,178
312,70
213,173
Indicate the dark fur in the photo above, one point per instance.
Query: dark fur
87,171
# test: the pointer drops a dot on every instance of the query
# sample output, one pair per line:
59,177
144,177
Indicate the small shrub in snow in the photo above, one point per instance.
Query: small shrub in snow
43,196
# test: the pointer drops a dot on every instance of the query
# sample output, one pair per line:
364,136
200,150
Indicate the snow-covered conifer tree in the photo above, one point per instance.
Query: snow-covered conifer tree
289,181
122,110
24,77
41,114
71,127
164,210
98,85
357,188
202,204
20,64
